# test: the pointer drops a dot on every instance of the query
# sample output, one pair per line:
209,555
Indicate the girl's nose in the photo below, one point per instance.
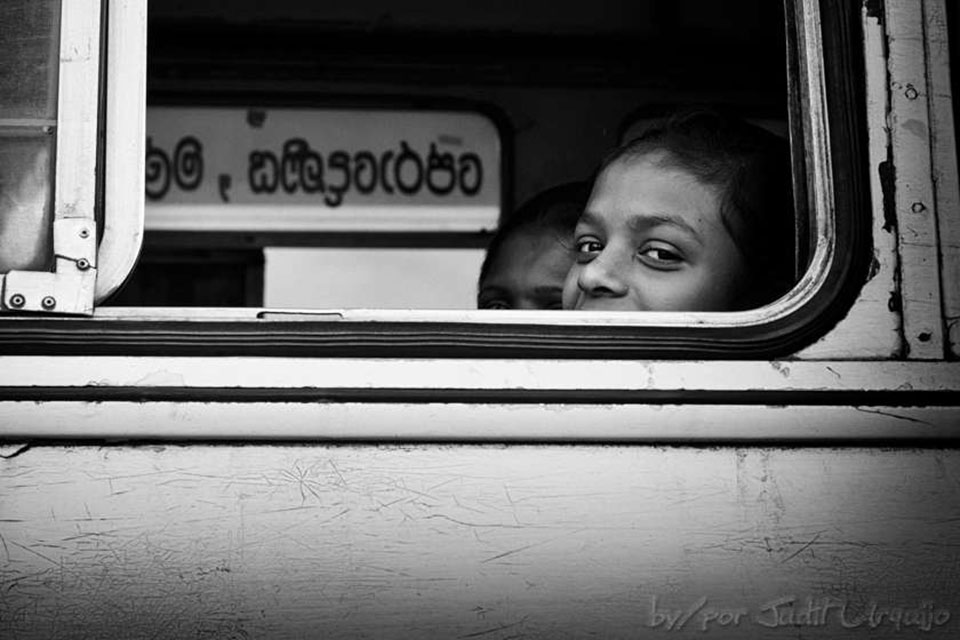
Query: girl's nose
603,277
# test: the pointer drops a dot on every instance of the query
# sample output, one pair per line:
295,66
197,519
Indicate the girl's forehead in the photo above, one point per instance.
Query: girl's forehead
658,164
647,186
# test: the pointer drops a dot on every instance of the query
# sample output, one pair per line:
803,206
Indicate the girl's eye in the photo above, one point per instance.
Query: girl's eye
660,256
587,249
589,245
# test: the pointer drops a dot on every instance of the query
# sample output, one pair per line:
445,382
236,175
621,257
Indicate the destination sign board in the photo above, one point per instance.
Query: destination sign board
237,169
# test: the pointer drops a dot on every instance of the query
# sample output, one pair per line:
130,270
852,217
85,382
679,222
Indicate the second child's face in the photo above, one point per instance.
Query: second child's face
651,239
528,273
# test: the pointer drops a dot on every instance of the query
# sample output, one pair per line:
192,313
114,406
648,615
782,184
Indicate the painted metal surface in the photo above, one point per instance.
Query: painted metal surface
479,541
944,163
125,125
476,400
914,196
78,101
324,421
80,373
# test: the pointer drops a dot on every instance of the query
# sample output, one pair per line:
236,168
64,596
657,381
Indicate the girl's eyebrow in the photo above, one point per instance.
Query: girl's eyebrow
589,218
645,222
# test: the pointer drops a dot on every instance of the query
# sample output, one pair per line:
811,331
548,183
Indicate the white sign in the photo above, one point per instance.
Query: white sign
234,169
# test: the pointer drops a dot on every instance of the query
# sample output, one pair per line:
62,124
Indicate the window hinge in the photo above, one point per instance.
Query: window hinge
69,288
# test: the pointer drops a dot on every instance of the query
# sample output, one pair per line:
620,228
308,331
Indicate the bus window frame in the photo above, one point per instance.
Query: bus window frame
69,287
123,150
824,50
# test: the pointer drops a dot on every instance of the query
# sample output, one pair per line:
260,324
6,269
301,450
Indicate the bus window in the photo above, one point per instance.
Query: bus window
558,89
50,154
556,93
25,176
28,111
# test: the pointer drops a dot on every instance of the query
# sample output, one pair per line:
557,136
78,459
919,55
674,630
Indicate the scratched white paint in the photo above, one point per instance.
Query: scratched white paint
914,194
472,541
944,163
188,421
24,372
77,101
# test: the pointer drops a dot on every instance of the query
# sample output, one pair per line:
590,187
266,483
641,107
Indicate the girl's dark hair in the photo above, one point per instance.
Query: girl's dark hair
554,210
751,168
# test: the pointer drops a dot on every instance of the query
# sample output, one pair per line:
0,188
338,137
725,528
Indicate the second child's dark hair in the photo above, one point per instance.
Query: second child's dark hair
751,168
552,211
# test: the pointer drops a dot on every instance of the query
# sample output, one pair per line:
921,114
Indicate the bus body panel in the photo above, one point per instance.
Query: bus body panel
479,541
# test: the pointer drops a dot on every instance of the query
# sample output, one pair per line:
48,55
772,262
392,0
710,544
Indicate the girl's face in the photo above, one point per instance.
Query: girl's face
651,239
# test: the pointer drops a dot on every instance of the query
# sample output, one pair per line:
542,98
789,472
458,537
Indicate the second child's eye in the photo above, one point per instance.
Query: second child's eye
494,304
660,256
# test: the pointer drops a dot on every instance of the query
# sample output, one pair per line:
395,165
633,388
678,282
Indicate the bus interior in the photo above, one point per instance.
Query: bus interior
560,83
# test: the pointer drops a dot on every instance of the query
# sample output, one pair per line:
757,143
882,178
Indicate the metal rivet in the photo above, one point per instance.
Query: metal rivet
48,302
17,300
84,233
911,92
83,264
918,207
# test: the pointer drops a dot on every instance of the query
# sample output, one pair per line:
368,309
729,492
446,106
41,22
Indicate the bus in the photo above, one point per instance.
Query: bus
245,390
